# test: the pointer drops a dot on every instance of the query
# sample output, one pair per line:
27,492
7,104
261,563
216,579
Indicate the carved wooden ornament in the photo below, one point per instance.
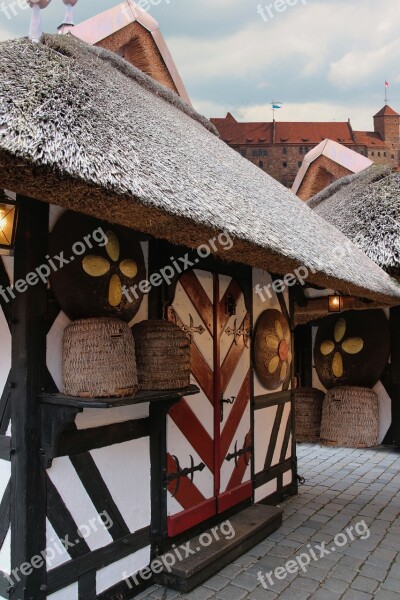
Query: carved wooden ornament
272,354
91,284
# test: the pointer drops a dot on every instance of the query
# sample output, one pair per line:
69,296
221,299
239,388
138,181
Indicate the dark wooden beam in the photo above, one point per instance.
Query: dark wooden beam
28,485
395,373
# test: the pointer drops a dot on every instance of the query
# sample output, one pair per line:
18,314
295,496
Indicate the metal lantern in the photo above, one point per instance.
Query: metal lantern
8,223
335,304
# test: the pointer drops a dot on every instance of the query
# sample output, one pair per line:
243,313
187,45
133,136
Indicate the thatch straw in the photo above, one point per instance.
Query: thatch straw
82,128
366,208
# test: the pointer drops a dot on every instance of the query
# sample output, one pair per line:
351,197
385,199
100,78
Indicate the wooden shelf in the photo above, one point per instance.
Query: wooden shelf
58,411
139,398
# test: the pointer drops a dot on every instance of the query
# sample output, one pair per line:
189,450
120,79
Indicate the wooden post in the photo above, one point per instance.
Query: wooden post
395,373
28,495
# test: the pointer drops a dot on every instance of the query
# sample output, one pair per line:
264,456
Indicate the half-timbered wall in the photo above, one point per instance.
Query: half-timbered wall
99,485
274,448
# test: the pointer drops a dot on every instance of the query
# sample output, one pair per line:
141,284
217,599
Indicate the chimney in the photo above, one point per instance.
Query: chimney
35,30
68,23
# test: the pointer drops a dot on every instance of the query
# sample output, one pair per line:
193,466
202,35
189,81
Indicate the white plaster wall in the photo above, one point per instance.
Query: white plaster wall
5,351
122,569
5,554
123,467
78,502
265,490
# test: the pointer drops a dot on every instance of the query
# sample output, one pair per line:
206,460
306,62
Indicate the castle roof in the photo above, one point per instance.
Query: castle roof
387,111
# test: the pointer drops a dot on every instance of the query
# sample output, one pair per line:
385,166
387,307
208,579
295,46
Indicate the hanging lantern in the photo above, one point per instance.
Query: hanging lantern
335,304
8,222
35,30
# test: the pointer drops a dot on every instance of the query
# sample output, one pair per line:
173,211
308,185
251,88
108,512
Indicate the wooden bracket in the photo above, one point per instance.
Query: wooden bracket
54,420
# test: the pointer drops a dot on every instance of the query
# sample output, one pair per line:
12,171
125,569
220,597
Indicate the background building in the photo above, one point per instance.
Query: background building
279,148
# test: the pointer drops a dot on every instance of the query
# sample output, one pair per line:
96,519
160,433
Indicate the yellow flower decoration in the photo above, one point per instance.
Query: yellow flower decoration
280,343
350,346
97,266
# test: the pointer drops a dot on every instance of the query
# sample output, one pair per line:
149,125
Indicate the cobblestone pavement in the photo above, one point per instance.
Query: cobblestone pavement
343,487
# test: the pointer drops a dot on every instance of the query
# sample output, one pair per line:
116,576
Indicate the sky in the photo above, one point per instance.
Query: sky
325,60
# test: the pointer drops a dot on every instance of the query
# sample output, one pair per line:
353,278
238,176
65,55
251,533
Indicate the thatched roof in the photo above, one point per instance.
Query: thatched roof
82,128
366,208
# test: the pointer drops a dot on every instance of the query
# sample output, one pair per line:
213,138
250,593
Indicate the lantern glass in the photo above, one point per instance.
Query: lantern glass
335,304
7,227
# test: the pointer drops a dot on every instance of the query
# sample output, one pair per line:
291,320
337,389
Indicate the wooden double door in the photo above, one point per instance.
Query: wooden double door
209,440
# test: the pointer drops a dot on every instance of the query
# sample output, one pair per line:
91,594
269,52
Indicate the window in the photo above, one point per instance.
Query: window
259,152
393,156
379,154
299,164
385,154
261,164
285,151
372,153
284,165
243,152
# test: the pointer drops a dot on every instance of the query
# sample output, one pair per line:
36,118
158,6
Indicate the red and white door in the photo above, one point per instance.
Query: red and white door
209,444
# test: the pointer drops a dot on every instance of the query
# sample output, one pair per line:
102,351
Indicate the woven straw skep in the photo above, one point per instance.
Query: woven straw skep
350,418
308,403
163,355
99,359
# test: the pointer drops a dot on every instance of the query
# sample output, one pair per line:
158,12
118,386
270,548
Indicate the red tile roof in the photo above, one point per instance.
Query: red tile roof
313,133
369,138
244,134
236,133
387,111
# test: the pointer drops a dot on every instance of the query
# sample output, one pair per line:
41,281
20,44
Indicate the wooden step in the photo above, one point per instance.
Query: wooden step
246,529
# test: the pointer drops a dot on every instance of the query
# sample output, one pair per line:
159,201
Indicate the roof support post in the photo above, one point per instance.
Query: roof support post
28,489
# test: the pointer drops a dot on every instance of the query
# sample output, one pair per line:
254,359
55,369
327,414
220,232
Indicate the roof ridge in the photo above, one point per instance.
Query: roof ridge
59,42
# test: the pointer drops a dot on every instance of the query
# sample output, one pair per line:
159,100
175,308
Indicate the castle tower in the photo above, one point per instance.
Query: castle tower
387,124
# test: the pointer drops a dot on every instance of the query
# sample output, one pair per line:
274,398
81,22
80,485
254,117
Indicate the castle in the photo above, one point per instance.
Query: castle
279,148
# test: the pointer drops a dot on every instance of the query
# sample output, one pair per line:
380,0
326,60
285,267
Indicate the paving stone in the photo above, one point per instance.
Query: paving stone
341,572
392,585
395,572
373,572
323,594
231,592
216,583
231,571
364,584
200,593
356,595
336,585
292,593
262,594
386,595
246,581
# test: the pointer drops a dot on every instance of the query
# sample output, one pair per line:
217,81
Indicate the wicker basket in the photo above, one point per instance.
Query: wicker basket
99,359
350,418
163,355
308,402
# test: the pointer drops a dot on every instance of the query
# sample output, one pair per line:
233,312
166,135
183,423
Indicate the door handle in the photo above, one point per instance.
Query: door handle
223,401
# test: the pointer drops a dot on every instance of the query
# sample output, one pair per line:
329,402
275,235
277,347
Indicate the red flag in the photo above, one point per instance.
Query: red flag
387,84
